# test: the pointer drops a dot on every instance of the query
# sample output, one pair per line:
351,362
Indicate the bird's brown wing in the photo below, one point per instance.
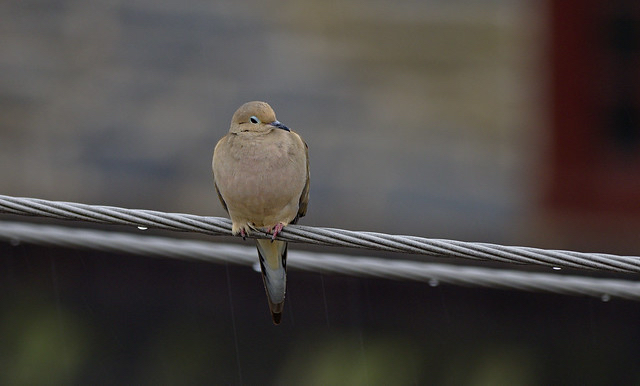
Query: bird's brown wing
224,204
304,197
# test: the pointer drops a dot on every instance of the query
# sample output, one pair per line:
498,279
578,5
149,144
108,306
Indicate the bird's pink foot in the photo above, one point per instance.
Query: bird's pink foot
243,234
276,229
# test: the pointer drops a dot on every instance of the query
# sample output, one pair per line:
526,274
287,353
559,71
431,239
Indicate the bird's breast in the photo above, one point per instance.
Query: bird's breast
260,177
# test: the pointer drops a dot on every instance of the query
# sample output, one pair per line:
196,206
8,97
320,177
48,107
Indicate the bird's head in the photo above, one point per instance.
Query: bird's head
255,117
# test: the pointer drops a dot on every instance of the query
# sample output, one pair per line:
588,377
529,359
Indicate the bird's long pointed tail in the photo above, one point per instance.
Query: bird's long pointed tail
273,263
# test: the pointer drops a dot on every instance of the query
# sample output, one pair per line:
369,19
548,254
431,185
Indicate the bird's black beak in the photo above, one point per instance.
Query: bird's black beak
279,125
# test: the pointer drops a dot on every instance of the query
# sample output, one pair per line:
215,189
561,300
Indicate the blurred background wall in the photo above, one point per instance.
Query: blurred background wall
413,111
500,121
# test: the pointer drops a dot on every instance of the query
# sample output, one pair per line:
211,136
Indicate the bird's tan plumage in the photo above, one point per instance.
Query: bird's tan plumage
261,175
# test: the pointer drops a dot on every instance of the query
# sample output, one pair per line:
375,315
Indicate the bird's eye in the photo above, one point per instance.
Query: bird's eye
254,119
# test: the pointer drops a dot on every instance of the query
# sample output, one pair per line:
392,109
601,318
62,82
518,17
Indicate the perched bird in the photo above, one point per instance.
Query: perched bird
261,175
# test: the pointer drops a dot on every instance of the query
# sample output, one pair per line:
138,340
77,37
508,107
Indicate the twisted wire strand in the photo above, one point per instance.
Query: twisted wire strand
326,263
323,236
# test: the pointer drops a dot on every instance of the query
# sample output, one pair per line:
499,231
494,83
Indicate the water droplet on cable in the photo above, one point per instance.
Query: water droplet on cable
14,242
557,268
433,282
142,228
605,297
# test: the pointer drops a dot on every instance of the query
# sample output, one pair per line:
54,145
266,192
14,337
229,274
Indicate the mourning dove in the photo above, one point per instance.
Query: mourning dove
261,175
